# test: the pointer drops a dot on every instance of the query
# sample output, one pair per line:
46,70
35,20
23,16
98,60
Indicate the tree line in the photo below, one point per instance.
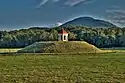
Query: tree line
100,37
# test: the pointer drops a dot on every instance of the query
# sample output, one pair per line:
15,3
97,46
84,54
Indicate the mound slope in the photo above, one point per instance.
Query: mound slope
60,47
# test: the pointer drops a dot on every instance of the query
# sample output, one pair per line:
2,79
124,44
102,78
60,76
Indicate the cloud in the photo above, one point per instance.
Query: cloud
75,2
65,2
116,11
116,15
59,23
43,2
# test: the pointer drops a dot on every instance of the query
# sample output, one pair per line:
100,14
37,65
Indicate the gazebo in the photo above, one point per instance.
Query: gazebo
63,35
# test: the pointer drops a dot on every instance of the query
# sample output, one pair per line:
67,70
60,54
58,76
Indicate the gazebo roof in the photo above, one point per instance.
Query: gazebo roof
63,31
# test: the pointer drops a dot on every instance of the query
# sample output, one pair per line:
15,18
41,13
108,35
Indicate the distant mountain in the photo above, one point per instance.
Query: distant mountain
89,22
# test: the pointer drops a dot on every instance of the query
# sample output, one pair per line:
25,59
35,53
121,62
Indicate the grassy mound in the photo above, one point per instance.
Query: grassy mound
60,47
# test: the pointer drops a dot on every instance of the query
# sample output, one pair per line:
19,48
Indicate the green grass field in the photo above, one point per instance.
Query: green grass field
83,68
114,50
9,50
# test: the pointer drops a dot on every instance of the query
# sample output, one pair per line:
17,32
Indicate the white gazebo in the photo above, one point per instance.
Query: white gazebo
63,35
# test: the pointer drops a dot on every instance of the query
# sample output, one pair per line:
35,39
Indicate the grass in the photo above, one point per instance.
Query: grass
9,50
83,68
114,48
120,50
61,47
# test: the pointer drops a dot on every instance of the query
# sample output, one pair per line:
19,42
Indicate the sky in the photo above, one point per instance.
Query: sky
16,14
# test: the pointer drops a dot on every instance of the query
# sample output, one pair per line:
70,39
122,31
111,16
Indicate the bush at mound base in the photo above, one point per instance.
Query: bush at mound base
60,47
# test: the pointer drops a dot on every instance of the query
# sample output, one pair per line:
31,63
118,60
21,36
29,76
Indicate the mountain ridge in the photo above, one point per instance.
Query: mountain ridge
89,22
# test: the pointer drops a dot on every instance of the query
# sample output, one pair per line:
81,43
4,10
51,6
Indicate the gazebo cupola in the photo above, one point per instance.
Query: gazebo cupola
63,35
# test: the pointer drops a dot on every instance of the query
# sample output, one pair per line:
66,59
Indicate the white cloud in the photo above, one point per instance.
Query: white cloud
59,23
42,3
75,2
116,15
116,11
65,2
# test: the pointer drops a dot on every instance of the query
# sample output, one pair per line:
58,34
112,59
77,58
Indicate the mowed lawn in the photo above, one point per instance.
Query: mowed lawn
9,50
85,68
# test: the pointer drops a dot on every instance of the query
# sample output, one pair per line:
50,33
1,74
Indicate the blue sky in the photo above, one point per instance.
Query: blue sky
15,14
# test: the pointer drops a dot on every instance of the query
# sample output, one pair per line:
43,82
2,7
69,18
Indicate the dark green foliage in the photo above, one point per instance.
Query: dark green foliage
25,37
101,37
